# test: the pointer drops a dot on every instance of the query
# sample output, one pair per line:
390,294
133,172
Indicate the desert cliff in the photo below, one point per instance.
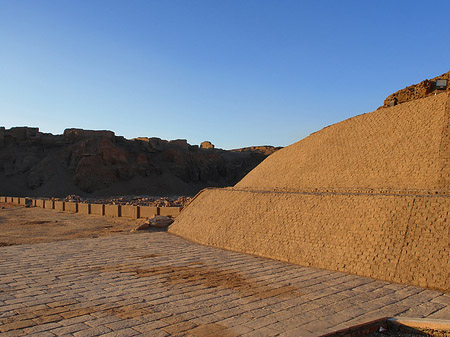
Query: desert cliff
99,163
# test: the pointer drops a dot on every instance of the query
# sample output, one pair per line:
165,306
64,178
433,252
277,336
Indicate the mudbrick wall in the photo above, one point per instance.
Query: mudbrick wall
368,196
113,210
402,147
399,238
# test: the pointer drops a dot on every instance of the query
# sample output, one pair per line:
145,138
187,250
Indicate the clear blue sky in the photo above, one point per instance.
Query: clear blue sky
235,72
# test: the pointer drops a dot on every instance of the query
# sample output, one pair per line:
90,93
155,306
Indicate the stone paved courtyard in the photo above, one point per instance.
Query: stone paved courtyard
157,284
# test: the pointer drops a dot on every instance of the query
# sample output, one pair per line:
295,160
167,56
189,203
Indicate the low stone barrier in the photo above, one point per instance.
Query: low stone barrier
169,211
148,211
59,205
113,210
39,203
71,207
126,211
129,211
98,209
84,208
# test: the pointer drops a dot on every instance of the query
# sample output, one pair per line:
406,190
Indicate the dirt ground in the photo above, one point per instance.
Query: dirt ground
21,225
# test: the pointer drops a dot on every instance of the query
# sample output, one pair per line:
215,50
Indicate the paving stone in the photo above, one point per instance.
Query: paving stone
69,329
179,327
122,324
90,332
90,287
444,313
240,329
298,332
78,319
102,320
261,322
261,332
150,326
16,325
40,328
121,333
43,334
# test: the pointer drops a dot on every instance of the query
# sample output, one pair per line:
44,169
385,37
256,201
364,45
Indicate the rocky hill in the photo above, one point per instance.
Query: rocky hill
99,163
420,90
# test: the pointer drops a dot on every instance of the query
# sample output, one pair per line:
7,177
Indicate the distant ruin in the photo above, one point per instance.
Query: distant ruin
368,196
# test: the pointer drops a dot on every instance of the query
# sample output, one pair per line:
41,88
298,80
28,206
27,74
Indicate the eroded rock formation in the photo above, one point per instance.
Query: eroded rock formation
416,91
85,162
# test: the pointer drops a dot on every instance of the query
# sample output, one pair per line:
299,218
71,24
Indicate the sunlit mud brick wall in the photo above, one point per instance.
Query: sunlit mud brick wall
128,211
71,207
368,196
403,147
112,210
84,208
98,209
149,212
59,205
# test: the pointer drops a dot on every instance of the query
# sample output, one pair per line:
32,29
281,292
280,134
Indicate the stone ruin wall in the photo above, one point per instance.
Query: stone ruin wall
398,238
368,196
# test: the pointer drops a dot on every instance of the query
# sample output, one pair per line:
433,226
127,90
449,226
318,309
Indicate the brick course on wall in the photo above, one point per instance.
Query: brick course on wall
402,147
399,238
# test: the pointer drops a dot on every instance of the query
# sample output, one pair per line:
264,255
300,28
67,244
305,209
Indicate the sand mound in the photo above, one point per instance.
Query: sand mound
368,196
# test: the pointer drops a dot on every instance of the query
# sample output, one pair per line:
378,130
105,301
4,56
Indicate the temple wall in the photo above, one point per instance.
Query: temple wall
401,238
401,147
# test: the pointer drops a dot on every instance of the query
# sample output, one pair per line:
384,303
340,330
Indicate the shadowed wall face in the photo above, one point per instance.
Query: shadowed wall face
368,196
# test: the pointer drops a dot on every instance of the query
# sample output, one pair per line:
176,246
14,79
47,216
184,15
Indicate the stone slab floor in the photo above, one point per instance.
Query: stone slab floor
157,284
